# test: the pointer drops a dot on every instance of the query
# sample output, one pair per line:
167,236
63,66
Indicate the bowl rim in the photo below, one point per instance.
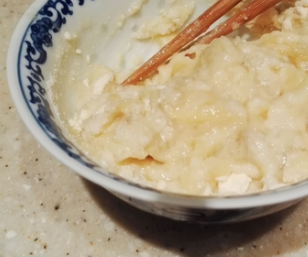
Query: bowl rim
271,197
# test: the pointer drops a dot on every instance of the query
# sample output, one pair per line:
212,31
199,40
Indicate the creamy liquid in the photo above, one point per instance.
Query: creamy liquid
220,119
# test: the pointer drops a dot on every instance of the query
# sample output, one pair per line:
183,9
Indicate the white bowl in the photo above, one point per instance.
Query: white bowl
28,64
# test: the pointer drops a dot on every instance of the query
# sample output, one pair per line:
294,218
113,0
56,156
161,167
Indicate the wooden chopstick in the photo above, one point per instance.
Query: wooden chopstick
248,13
196,28
199,26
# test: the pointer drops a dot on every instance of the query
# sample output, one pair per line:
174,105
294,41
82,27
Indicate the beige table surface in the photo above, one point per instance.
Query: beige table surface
47,210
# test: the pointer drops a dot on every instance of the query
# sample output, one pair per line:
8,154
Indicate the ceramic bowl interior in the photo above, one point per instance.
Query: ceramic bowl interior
30,63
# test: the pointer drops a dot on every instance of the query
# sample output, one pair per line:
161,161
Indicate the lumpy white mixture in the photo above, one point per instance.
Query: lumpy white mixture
220,119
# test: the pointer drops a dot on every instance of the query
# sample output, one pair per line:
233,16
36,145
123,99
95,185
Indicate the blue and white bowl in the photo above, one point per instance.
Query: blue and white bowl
28,67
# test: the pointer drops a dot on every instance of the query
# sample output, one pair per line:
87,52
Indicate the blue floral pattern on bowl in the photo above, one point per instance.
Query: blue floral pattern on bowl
50,18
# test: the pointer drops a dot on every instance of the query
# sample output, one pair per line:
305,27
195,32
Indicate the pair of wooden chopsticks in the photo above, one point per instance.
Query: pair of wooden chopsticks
199,26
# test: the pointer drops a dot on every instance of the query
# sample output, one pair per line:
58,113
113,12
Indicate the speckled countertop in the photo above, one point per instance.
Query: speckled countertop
47,210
